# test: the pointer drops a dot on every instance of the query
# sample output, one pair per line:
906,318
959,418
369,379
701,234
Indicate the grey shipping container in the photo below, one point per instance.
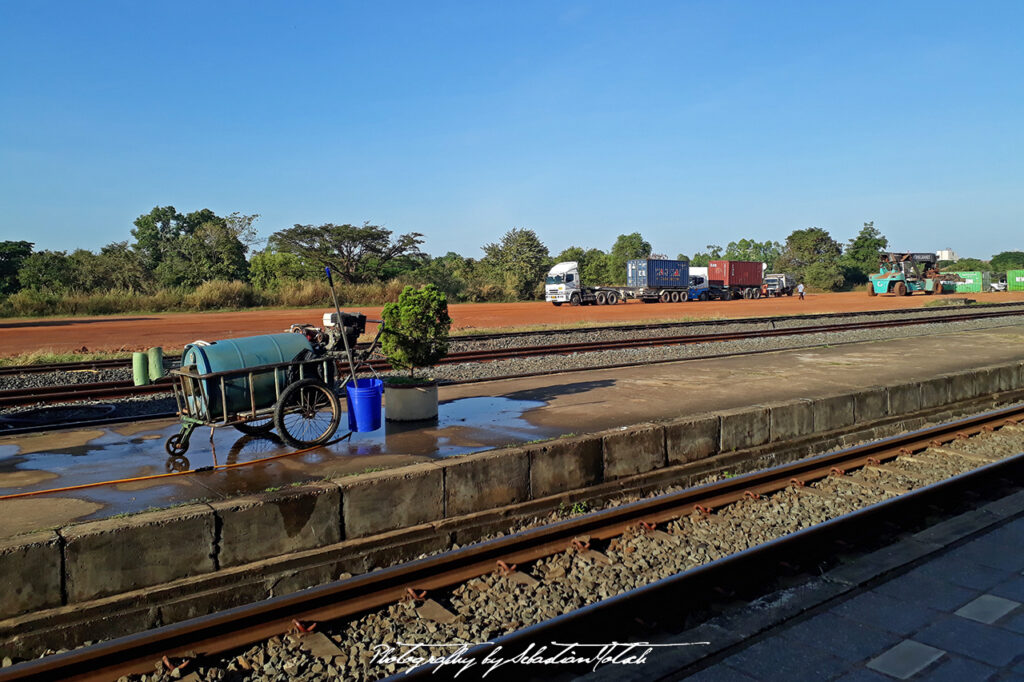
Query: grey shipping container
657,274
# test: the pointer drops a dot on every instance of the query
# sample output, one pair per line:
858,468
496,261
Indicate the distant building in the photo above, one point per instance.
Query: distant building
946,254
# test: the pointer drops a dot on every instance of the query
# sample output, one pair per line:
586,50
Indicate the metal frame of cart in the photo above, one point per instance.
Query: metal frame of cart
307,395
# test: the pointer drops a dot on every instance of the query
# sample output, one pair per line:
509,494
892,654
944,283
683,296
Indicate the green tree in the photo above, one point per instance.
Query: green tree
682,256
122,268
210,251
12,255
627,247
1008,260
268,269
188,249
966,265
450,273
593,264
701,259
813,247
751,250
861,256
153,231
416,328
46,270
356,254
596,267
517,263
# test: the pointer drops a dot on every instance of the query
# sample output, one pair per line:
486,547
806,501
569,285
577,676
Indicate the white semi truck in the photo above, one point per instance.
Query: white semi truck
650,281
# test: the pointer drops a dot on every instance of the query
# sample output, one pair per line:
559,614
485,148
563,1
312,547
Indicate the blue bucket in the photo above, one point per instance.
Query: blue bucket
364,404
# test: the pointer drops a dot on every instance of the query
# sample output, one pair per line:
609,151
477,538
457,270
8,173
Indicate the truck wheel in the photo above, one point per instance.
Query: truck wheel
871,289
601,297
574,299
789,293
675,296
900,289
703,296
556,303
726,295
612,298
756,294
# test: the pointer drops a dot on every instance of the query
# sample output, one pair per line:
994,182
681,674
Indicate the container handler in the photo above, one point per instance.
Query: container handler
904,273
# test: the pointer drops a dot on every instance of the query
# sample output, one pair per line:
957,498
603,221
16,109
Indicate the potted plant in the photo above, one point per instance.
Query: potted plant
415,335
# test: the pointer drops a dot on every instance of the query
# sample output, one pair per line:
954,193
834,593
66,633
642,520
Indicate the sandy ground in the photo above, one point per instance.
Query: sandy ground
174,330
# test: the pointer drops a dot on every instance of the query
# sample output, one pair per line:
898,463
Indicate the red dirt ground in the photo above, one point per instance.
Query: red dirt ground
174,330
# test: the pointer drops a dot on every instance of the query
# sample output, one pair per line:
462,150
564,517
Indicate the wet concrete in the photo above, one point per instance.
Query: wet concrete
473,417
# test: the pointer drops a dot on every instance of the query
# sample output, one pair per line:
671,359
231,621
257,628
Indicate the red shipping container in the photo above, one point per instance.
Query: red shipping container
734,273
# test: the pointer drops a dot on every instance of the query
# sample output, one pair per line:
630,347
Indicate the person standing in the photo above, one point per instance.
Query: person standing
800,290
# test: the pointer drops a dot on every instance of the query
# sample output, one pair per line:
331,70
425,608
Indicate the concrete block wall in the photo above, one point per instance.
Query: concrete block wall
89,561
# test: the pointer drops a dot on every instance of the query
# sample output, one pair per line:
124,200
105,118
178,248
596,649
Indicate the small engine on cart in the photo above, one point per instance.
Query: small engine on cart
329,337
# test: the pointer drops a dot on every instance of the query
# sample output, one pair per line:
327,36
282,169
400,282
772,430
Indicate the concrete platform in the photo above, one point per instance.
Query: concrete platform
478,417
958,615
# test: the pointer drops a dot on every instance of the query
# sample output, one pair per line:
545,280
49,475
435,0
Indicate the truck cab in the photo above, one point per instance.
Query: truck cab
562,281
699,290
779,284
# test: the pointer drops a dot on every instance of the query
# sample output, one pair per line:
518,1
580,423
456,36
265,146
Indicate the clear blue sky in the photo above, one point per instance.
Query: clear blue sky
691,122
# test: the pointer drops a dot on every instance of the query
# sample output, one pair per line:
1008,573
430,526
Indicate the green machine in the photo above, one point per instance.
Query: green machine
904,273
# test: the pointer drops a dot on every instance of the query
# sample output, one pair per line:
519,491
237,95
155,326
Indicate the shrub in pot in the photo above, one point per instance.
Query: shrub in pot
415,336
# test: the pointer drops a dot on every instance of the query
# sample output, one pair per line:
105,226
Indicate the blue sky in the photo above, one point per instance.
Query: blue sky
690,122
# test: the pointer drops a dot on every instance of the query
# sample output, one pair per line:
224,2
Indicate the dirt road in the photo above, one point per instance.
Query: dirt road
174,330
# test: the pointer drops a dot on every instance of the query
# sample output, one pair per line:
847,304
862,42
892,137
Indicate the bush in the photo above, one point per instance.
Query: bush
217,294
31,303
416,328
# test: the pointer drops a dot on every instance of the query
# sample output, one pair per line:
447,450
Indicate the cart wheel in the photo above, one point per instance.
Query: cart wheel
174,446
256,427
307,414
177,463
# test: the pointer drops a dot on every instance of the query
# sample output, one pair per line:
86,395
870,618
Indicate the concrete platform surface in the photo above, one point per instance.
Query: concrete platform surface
474,417
958,616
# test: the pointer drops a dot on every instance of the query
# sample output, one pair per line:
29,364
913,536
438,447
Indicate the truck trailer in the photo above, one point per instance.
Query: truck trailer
647,279
652,280
727,280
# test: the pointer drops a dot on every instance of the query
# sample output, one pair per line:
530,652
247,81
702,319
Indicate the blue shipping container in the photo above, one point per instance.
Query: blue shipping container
656,274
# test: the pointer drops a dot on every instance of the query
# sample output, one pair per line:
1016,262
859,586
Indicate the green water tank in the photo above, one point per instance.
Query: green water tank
236,354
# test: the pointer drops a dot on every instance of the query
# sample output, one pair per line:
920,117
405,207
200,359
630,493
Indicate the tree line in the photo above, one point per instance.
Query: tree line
211,261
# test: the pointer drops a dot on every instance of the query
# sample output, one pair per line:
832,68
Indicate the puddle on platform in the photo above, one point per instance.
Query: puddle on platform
63,459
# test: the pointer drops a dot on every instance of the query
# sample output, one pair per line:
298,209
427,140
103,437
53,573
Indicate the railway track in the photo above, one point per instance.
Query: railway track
126,363
93,391
230,630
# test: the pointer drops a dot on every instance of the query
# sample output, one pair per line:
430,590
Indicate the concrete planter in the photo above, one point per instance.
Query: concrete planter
410,402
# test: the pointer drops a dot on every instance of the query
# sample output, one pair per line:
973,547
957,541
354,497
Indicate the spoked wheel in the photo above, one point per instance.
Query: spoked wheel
307,414
256,427
175,447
